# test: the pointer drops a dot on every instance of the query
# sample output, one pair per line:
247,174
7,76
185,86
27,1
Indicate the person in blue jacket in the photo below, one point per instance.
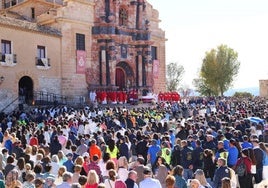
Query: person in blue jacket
221,172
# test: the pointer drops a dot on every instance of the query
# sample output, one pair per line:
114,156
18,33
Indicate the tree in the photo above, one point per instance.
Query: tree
220,66
243,95
202,88
174,76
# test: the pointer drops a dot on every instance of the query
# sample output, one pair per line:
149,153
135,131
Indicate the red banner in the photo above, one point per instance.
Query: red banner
156,68
80,61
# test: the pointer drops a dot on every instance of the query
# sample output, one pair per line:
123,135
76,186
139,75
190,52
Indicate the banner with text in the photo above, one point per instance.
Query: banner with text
80,61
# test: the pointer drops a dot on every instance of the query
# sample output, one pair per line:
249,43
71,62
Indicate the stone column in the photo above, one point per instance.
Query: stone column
103,54
140,70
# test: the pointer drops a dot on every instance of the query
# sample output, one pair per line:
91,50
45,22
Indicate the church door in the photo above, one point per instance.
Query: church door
120,78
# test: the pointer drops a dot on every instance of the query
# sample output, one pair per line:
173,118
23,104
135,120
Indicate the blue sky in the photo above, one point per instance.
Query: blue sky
195,26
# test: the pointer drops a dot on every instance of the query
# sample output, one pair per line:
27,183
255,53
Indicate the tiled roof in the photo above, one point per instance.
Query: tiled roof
29,25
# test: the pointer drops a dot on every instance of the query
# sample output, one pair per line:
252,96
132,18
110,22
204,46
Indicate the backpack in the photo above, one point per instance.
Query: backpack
241,169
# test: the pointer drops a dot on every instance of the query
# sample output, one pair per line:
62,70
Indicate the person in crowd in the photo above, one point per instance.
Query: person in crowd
38,183
123,148
55,164
93,165
47,171
11,180
226,183
122,168
209,165
176,153
69,164
263,146
131,180
80,160
244,163
29,183
76,173
59,177
142,147
139,168
62,157
259,156
149,181
221,152
38,169
186,160
94,149
198,156
152,152
162,174
166,151
170,181
67,179
82,148
246,144
200,175
195,183
55,146
221,172
92,179
160,161
112,150
110,181
232,153
9,166
21,169
102,163
177,172
82,180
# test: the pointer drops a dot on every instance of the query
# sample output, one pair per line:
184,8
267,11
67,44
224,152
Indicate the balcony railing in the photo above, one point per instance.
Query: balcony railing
8,59
42,63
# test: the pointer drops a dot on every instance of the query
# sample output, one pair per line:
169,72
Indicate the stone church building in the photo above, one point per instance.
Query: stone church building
67,47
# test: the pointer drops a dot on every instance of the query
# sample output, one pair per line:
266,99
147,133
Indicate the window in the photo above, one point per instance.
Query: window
41,52
123,17
41,59
33,13
5,48
154,52
80,41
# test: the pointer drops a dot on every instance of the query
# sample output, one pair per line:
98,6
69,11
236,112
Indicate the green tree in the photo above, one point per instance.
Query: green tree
243,95
220,66
174,75
202,88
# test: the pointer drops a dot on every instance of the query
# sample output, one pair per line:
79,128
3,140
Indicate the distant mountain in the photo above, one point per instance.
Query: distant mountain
253,90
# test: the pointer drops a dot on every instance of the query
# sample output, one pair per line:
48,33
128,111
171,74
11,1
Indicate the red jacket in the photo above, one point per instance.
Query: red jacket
247,162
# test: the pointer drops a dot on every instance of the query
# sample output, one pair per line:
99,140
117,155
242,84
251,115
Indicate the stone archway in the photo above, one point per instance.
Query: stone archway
26,89
123,76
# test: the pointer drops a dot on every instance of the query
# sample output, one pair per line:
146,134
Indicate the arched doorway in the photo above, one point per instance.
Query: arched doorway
123,76
26,89
120,78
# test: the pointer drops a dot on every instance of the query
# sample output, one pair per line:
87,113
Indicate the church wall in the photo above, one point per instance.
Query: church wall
24,45
263,85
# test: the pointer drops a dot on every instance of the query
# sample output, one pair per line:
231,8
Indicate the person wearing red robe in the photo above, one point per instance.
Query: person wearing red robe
160,97
98,96
113,97
124,97
120,97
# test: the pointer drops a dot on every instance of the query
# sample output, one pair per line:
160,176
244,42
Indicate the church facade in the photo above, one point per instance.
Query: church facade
67,47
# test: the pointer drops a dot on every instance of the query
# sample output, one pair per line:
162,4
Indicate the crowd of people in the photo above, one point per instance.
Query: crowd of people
197,143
